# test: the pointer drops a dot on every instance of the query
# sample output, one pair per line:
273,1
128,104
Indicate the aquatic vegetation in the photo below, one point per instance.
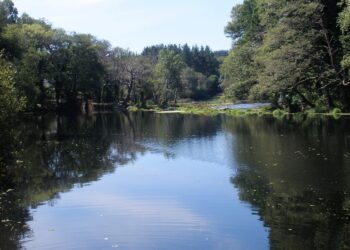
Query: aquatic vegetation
199,111
278,113
336,113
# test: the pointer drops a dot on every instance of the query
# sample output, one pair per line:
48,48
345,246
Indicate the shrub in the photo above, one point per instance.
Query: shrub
336,113
278,113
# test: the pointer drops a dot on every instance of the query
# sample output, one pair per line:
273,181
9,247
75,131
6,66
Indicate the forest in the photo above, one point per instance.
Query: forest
293,54
243,148
43,68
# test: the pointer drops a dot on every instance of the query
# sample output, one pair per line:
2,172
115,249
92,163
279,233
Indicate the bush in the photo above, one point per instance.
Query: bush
278,113
336,113
150,103
10,101
260,113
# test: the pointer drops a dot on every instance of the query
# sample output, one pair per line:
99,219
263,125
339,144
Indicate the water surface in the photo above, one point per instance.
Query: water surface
173,181
242,106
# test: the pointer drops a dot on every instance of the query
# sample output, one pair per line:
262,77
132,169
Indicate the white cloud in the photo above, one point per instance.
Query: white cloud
161,211
134,223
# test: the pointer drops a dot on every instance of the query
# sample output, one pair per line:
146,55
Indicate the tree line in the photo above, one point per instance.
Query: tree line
295,54
43,67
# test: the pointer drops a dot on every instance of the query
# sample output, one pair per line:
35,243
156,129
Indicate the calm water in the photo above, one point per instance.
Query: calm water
172,181
242,106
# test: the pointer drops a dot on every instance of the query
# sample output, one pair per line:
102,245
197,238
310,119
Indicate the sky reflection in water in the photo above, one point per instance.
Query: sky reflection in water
148,181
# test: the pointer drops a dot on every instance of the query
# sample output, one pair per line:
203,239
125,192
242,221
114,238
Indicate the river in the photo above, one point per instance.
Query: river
174,181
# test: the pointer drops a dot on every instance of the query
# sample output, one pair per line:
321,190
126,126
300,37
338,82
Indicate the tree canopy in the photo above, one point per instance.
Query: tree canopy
292,53
295,54
54,69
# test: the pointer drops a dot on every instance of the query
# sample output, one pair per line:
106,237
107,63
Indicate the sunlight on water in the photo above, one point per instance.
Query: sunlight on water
148,181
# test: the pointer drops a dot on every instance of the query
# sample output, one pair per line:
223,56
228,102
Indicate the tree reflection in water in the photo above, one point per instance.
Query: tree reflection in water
294,172
44,156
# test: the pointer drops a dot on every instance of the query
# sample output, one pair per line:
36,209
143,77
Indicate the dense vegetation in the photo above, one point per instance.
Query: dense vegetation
46,68
293,53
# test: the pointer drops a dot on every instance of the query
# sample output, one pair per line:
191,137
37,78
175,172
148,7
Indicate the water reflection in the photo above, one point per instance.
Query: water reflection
294,174
43,157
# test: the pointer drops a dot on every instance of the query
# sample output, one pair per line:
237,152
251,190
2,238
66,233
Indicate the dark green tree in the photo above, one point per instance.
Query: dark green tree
168,76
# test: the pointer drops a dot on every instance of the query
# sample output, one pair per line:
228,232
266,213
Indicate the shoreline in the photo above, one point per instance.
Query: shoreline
207,109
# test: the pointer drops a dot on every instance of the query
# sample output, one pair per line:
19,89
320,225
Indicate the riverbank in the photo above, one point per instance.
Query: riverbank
232,109
208,108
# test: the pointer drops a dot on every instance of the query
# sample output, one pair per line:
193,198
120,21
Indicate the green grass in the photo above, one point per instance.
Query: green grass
278,113
205,108
199,111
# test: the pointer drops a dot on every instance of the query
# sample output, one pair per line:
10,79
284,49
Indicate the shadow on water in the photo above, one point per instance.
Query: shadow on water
293,172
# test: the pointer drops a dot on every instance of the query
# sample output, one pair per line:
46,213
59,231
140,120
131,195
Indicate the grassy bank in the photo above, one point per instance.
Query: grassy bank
208,109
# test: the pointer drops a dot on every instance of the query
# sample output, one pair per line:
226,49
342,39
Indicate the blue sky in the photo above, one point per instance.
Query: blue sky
135,24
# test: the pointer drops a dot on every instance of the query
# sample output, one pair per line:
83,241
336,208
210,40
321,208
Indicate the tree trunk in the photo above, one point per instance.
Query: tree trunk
116,94
128,96
142,99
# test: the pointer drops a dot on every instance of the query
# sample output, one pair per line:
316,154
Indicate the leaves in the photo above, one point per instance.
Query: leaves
10,102
290,51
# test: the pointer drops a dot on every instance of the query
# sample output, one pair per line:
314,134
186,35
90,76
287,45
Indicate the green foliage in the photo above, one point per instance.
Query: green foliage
344,16
199,110
8,13
200,80
278,113
289,53
238,112
200,59
67,69
84,71
10,102
52,64
344,23
245,24
295,54
196,85
168,76
336,111
239,72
